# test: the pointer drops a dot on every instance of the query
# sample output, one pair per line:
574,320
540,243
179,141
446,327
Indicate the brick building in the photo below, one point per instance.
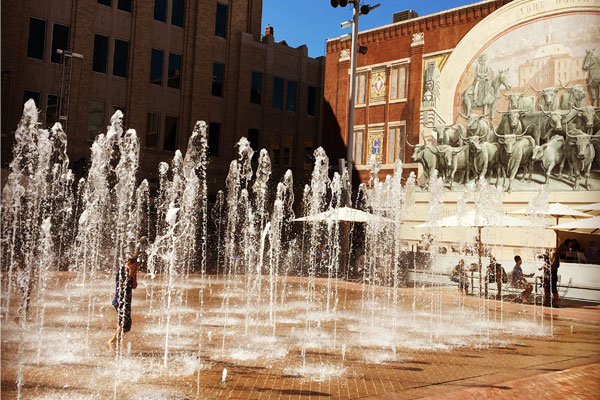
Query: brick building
389,96
166,64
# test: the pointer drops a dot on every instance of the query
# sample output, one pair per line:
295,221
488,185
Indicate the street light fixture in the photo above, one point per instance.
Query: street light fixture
357,11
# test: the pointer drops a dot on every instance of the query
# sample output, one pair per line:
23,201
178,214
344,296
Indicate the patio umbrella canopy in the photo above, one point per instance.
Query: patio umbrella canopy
557,210
589,225
478,220
474,219
593,209
344,214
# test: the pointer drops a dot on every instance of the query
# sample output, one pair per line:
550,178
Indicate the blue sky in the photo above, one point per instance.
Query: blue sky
311,22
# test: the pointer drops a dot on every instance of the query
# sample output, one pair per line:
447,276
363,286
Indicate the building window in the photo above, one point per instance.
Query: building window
100,53
311,106
160,10
37,38
156,67
170,142
60,40
114,109
51,110
290,98
217,83
278,93
30,94
253,138
288,144
398,82
361,90
394,143
124,5
174,72
309,158
95,119
152,129
120,59
275,137
221,21
177,13
256,89
358,147
107,3
214,133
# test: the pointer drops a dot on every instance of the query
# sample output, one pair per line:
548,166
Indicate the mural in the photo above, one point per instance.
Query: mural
528,111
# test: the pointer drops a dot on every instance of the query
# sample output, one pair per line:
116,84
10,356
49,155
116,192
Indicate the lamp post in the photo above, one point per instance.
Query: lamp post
357,10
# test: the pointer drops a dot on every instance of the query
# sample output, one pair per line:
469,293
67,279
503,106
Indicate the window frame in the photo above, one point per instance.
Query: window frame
158,125
123,9
256,94
166,9
222,83
26,98
288,97
43,44
115,58
177,77
273,105
394,95
182,13
226,22
361,75
314,100
211,151
52,49
162,66
359,149
400,132
101,124
49,124
96,35
164,136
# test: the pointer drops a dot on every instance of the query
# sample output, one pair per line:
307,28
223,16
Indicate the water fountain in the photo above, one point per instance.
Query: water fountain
273,298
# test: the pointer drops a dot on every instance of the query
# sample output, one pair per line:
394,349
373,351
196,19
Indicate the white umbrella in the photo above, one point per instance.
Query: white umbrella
593,209
477,220
557,210
588,225
344,214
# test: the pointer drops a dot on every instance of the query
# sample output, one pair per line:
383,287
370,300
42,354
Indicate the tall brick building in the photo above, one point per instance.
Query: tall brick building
390,88
166,64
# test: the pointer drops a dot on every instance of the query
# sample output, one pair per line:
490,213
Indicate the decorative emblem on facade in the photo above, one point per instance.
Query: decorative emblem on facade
378,85
344,55
378,77
431,85
376,145
418,39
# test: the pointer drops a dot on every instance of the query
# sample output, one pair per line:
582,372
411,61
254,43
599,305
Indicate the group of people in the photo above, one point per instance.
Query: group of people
549,268
572,245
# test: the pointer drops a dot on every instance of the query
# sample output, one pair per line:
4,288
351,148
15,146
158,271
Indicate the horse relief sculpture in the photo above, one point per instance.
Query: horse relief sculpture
550,135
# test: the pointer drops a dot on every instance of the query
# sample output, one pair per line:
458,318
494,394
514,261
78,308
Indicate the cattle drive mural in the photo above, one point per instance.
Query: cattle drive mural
527,112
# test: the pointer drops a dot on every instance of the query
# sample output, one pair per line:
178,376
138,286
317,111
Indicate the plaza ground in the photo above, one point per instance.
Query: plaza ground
74,361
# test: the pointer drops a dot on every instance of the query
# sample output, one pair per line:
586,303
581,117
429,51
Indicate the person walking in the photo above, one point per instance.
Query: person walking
125,282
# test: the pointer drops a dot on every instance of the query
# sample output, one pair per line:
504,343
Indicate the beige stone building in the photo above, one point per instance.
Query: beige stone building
166,64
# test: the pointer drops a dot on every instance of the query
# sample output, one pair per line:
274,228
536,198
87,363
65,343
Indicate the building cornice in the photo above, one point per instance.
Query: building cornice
454,16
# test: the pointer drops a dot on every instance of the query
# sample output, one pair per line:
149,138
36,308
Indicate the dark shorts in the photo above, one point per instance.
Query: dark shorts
124,317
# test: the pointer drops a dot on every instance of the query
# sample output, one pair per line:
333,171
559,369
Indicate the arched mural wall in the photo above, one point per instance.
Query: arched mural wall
530,45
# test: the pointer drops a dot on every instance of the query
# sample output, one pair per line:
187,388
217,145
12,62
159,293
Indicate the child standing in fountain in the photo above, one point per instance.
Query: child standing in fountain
126,281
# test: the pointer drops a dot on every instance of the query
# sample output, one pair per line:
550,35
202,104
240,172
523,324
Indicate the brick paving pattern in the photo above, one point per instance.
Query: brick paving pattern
565,365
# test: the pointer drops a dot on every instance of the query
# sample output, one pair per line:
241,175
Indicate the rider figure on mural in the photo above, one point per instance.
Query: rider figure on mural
482,77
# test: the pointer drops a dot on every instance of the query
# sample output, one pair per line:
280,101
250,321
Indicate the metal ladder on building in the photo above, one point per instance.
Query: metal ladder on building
65,85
